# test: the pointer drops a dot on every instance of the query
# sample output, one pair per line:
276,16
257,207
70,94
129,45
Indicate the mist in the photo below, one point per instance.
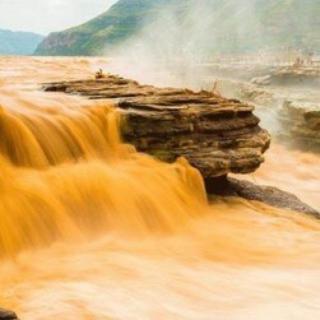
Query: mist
178,40
181,37
222,45
167,49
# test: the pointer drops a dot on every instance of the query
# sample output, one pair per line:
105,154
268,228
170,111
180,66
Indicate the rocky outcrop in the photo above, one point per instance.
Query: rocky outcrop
217,135
302,121
7,315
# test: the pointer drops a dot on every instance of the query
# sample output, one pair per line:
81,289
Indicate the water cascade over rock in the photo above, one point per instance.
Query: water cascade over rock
92,229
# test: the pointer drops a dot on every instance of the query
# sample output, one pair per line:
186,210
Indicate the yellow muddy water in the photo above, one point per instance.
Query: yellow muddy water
91,229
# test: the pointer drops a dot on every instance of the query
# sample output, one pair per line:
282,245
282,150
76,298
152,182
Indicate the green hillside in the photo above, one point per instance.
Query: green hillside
230,26
18,43
120,22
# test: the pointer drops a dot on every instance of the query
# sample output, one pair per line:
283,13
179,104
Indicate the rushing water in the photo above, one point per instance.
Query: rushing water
91,229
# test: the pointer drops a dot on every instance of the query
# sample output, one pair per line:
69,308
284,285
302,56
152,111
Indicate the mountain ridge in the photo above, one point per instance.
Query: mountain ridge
236,26
18,42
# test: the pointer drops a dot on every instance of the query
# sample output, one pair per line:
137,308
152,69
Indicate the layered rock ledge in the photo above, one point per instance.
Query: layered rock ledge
216,135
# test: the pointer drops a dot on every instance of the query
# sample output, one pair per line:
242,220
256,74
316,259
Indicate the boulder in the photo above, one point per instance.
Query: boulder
216,135
7,315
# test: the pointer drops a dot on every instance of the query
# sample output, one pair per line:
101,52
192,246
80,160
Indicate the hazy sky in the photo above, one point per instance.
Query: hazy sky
44,16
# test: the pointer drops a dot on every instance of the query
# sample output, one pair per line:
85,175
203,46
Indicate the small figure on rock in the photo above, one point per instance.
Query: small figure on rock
310,58
215,89
299,62
99,74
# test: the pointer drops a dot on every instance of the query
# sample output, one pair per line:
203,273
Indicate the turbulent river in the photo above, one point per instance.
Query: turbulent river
91,229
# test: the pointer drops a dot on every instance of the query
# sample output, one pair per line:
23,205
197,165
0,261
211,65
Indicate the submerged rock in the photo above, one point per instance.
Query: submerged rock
216,135
7,315
226,186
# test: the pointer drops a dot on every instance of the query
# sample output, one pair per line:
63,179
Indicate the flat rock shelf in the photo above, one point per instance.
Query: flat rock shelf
216,135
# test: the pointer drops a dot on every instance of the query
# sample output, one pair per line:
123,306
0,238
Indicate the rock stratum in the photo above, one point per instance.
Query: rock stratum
216,135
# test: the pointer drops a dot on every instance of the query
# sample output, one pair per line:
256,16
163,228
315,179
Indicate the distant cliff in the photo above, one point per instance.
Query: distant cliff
233,25
18,43
120,22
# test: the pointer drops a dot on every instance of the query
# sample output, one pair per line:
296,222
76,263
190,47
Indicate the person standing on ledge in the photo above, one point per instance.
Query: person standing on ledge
99,74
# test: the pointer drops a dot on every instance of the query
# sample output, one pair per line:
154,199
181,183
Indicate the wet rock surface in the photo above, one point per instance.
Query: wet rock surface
7,315
226,186
286,98
307,75
302,121
216,135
